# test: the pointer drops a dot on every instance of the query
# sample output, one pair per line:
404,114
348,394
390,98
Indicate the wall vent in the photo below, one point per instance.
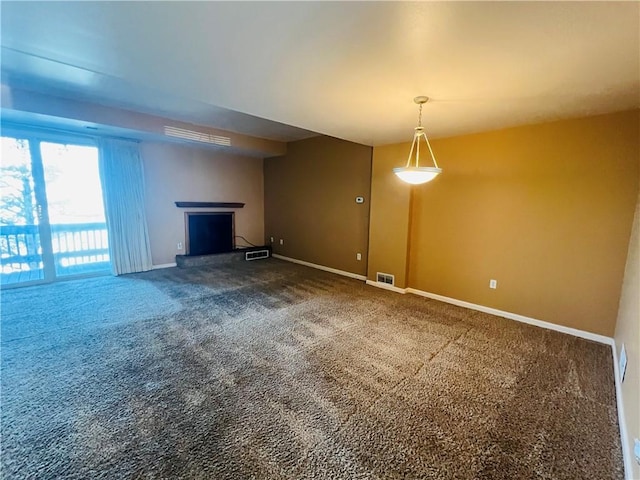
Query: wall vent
385,278
197,136
256,255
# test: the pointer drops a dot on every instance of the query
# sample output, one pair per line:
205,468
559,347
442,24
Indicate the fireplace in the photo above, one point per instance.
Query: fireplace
208,233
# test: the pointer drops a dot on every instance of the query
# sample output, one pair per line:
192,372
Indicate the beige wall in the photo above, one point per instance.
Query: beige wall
183,173
390,215
546,210
310,202
628,333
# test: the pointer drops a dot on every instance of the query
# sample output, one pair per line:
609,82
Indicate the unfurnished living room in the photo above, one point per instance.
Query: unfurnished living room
320,240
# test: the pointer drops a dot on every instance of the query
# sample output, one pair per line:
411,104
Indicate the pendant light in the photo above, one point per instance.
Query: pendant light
415,174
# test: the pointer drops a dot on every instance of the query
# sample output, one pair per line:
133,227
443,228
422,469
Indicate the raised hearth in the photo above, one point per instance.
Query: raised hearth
238,255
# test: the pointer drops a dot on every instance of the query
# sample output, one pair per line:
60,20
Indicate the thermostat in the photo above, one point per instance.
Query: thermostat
359,199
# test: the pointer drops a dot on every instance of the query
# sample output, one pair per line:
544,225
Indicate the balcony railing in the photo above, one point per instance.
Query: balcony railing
78,248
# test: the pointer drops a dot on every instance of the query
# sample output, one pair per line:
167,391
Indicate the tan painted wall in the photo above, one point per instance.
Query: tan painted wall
182,173
310,202
546,210
628,332
390,214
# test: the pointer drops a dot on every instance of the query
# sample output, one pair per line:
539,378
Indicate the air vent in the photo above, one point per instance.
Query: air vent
256,255
385,278
197,136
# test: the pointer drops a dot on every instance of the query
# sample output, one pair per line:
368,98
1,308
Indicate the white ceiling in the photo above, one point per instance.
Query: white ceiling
346,69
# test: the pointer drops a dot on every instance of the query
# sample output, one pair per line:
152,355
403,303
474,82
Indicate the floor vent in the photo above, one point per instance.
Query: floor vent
256,255
197,136
385,278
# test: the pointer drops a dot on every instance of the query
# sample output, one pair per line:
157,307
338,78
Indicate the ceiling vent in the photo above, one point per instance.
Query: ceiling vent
197,136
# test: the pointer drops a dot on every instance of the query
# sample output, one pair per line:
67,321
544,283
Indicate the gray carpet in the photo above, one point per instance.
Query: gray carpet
269,370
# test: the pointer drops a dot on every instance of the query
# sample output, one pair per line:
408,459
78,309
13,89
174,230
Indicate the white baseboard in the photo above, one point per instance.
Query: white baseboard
320,267
514,316
626,448
163,265
386,286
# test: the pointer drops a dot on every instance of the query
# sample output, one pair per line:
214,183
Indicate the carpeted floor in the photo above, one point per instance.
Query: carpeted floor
270,370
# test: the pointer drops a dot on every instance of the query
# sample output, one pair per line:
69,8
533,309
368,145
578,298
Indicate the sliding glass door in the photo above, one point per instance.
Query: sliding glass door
75,208
52,220
20,239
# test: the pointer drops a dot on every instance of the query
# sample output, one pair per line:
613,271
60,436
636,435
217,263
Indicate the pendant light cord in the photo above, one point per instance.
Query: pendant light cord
433,157
413,144
426,139
416,142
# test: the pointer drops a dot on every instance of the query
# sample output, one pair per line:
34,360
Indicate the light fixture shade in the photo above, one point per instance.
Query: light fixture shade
417,175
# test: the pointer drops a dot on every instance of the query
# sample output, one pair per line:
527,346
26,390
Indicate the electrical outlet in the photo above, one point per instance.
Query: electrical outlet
493,284
281,241
358,256
271,238
179,245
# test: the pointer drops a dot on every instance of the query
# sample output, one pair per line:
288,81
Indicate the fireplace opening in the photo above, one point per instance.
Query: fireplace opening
209,233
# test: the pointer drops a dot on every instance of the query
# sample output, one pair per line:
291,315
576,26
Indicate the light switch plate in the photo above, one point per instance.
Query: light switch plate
622,364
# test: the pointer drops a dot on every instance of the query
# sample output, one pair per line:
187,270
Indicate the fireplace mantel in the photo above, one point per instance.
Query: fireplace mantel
209,204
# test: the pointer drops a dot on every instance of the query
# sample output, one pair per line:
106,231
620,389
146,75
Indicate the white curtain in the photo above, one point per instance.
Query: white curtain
122,178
